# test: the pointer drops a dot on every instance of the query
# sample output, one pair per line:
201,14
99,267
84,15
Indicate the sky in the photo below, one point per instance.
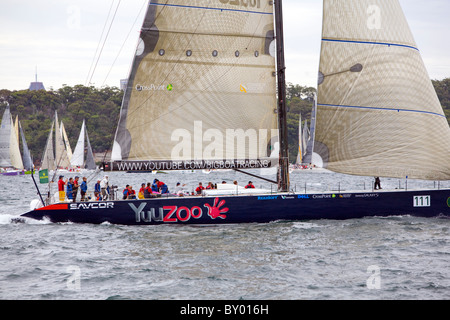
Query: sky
61,38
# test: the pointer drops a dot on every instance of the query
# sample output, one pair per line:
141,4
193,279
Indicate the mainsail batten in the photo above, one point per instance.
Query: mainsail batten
202,85
378,113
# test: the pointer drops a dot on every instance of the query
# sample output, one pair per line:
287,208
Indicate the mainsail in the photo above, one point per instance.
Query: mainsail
378,113
66,141
78,159
9,145
5,135
300,142
14,148
48,159
27,161
61,157
202,88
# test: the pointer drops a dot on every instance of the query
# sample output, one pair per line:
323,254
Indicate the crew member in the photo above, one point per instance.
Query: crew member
200,188
61,184
250,185
83,189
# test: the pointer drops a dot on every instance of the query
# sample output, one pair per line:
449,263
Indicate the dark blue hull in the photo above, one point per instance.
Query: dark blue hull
250,209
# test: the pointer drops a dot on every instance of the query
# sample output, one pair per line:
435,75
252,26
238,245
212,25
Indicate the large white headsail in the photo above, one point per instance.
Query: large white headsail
202,86
378,113
78,154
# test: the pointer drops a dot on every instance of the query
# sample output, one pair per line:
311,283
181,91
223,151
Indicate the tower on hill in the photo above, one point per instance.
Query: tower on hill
35,86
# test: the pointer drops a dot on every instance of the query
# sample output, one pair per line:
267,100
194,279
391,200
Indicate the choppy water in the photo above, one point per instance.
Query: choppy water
373,258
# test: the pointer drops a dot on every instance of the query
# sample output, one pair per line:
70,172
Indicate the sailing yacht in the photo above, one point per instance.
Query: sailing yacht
207,91
78,159
10,157
55,155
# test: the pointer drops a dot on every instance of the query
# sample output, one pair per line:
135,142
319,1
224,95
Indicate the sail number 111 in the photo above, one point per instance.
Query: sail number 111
422,201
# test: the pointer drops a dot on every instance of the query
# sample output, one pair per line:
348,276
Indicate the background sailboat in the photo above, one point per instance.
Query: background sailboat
48,159
27,160
78,157
55,154
10,157
66,141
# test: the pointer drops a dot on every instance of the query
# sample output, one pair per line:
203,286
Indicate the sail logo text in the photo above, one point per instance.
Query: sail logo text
153,87
94,205
243,3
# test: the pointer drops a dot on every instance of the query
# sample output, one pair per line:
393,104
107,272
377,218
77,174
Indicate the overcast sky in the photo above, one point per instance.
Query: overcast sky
60,37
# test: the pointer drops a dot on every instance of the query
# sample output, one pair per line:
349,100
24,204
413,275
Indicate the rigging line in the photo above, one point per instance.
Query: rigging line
123,44
104,42
99,41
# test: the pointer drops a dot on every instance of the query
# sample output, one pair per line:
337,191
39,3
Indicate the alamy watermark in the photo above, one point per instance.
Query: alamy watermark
374,280
374,17
74,280
74,17
210,144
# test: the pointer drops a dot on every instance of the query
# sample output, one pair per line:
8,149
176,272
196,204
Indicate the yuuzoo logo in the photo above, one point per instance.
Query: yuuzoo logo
448,201
169,87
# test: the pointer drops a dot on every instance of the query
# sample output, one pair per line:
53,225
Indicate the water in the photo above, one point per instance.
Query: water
374,258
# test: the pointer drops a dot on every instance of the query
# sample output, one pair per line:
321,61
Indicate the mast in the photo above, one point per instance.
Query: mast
283,173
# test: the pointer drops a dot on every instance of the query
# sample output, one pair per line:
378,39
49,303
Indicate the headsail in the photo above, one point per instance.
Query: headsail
300,142
66,141
5,136
78,158
378,113
27,161
14,148
78,154
9,145
202,89
61,158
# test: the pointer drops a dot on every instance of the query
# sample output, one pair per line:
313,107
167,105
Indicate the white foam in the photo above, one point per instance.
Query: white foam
14,219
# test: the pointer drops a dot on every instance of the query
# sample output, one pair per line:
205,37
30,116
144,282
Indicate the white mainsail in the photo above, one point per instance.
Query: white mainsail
5,136
10,156
90,160
27,161
66,141
78,154
305,137
204,74
378,113
300,142
48,159
61,158
14,148
78,159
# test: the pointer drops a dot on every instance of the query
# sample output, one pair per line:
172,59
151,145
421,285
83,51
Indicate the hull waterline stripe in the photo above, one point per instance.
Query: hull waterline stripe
383,109
55,207
374,43
209,8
